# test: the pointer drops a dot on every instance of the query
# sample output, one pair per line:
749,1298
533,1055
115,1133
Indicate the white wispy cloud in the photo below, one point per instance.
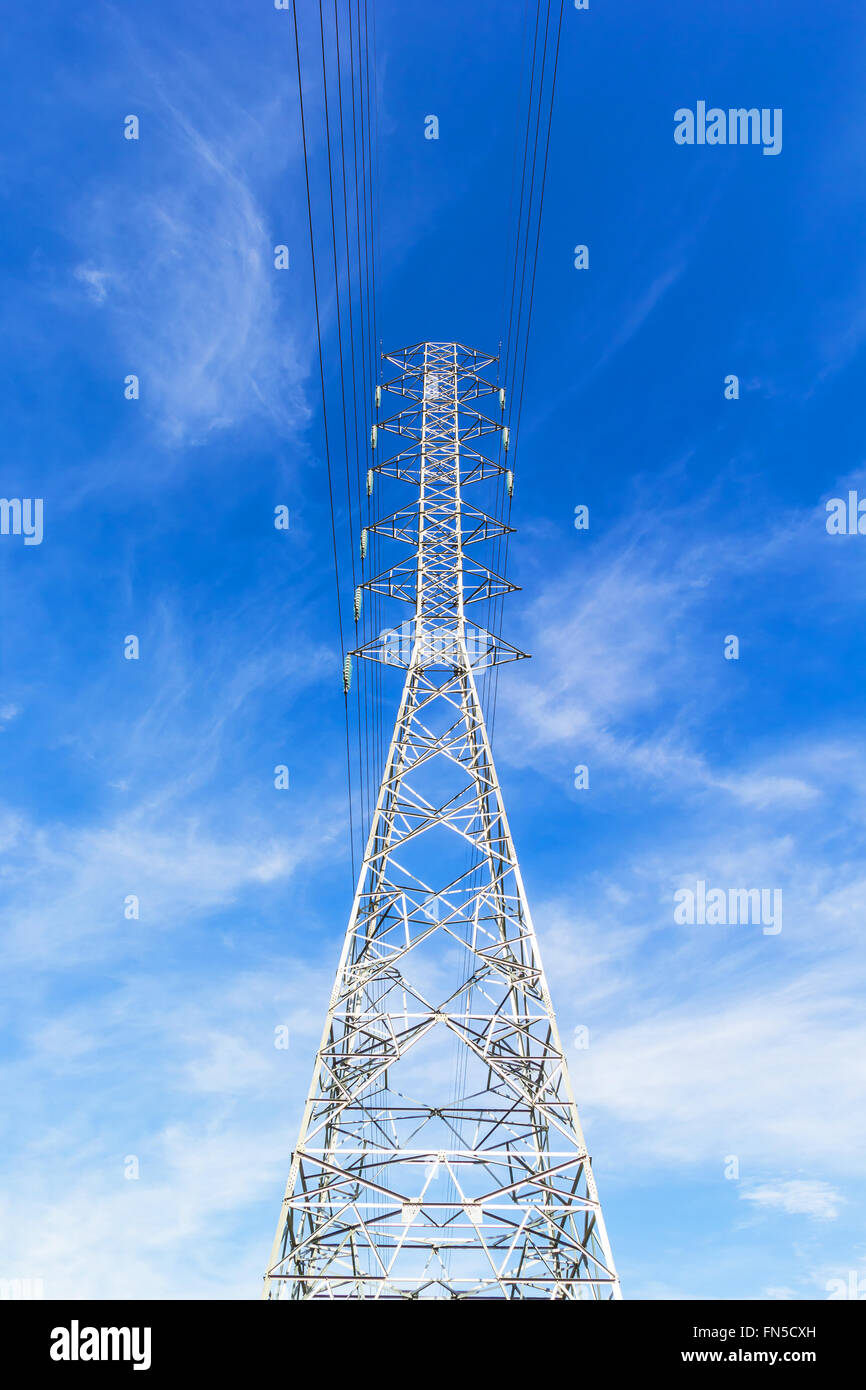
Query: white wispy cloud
796,1197
95,281
614,677
691,1086
72,883
181,1074
182,261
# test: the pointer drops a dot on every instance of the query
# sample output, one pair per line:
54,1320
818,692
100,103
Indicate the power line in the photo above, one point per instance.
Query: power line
519,414
324,415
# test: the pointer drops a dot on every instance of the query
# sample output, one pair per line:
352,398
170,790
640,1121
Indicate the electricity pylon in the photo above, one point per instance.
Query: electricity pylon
440,1152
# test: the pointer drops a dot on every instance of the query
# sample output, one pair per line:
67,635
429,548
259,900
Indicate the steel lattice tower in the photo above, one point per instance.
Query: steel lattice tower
440,1152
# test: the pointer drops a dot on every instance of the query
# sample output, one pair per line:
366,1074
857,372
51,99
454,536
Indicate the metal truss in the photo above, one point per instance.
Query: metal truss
440,1153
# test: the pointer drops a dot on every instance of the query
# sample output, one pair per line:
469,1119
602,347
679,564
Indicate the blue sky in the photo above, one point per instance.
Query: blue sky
154,1037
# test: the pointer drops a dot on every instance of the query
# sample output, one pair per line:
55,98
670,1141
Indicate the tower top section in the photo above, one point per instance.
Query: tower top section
441,443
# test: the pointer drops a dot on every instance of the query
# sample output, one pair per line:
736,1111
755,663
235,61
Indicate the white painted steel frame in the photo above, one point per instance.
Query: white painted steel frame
417,1175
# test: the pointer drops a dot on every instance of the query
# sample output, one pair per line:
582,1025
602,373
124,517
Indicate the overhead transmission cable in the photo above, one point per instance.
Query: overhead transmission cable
324,414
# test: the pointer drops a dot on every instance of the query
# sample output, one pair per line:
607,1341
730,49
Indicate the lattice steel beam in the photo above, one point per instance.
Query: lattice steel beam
440,1152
